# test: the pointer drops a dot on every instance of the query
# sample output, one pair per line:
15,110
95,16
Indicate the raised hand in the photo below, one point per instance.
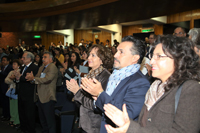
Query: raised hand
29,76
120,118
72,85
92,86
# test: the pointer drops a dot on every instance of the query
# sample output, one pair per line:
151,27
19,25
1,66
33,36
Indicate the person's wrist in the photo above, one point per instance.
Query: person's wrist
33,80
100,93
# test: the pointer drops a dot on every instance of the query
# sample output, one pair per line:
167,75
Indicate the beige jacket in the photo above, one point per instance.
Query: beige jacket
46,87
9,81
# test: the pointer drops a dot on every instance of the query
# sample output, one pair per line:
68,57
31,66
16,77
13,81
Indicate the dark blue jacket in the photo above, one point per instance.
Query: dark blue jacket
3,75
130,91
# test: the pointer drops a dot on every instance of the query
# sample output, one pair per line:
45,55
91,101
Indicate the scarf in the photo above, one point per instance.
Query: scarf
94,73
154,93
118,75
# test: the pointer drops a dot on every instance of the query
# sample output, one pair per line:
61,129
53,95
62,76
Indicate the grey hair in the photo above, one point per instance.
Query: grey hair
30,55
50,54
195,35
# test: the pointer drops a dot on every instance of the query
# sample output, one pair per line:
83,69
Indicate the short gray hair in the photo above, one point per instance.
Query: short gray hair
50,55
30,55
195,35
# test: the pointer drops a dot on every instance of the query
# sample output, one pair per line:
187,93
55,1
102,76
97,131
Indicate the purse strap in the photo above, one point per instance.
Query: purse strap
177,97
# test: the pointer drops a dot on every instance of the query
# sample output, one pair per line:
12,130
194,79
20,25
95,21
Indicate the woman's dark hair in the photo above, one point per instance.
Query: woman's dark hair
186,61
85,50
40,62
58,49
78,60
104,54
69,60
58,64
17,61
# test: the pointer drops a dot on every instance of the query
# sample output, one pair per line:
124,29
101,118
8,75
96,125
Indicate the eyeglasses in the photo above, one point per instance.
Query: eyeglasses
180,33
158,57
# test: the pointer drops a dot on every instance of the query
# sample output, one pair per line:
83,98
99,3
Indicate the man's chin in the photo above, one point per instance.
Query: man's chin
115,66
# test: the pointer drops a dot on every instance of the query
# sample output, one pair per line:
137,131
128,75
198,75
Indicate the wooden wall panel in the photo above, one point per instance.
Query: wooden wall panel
158,29
129,30
82,34
47,38
88,35
102,36
196,14
184,16
12,38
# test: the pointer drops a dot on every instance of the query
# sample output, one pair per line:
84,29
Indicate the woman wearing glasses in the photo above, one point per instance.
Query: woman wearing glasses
174,63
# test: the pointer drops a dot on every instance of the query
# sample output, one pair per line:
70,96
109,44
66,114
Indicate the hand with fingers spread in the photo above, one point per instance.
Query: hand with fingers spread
77,70
120,118
12,77
92,86
17,75
72,86
29,76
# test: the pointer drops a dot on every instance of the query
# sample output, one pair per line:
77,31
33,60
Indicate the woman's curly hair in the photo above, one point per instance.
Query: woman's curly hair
104,54
186,61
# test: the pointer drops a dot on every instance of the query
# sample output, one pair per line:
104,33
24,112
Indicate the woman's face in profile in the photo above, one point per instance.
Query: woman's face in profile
73,57
66,57
56,52
84,56
162,65
93,60
15,66
37,58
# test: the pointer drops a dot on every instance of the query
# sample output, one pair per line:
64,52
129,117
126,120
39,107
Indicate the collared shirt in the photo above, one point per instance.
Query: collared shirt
46,65
5,67
25,67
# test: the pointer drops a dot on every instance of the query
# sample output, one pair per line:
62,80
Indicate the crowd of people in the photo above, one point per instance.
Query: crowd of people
132,86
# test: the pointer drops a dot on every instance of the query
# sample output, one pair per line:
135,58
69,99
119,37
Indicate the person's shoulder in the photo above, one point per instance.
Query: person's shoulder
105,73
11,72
138,76
191,84
33,65
52,65
9,67
61,55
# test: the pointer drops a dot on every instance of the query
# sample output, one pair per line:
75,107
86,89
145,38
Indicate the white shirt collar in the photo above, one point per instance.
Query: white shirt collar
29,64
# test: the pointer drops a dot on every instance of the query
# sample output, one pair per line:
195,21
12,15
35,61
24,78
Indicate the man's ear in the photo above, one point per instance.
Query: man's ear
135,59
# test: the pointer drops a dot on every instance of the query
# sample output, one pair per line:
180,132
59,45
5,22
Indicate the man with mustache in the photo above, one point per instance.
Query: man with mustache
46,79
126,84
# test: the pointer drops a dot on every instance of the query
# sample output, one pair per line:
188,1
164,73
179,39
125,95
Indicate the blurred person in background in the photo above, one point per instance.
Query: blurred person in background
5,70
194,35
14,116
